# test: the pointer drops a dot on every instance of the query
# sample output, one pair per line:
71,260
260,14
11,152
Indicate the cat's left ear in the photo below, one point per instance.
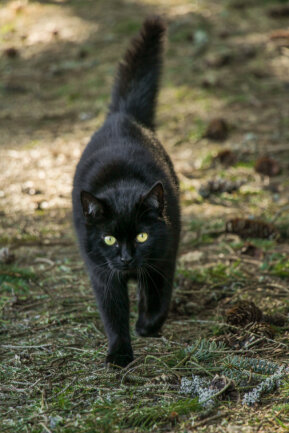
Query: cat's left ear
155,196
91,206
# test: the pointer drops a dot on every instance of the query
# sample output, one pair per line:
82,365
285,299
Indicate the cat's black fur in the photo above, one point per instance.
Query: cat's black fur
124,185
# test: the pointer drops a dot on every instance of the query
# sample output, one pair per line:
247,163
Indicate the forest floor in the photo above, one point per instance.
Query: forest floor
227,59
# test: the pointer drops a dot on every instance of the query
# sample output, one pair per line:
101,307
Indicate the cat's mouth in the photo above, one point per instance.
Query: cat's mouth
126,268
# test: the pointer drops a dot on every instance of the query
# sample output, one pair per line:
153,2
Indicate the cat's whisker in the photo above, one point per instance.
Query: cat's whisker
146,277
107,287
158,272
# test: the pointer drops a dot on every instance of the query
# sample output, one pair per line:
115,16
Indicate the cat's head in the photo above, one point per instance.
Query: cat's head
126,227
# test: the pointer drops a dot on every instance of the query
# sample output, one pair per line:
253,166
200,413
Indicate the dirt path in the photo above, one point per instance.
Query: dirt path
226,59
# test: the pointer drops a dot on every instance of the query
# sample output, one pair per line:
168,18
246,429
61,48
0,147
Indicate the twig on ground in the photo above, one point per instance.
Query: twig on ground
211,418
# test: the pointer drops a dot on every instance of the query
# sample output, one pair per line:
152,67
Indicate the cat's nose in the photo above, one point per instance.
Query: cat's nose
126,260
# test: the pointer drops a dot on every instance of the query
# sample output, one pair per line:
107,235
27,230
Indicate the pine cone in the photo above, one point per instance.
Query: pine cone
267,166
11,52
251,228
279,11
226,157
242,313
262,329
218,186
217,129
276,319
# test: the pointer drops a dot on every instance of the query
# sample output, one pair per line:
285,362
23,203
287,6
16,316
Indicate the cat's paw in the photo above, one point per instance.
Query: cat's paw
118,359
147,330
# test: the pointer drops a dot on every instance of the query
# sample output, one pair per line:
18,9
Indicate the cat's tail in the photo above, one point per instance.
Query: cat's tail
136,84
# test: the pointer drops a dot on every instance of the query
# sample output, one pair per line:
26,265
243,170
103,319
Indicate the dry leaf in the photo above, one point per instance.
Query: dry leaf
262,329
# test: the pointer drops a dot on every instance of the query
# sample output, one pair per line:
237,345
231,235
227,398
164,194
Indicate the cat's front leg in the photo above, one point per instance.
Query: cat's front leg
155,291
113,302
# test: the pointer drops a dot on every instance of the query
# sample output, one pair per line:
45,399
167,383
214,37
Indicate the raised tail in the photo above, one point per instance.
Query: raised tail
136,84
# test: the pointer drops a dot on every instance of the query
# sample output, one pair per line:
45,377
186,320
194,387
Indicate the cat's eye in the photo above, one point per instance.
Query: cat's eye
142,237
109,240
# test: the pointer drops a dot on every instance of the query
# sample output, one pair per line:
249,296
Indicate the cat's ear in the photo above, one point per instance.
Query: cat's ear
155,196
91,206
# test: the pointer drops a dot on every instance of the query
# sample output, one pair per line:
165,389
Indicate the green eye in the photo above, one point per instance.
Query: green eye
142,237
109,240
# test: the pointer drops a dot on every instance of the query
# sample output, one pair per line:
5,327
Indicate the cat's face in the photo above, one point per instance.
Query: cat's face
126,230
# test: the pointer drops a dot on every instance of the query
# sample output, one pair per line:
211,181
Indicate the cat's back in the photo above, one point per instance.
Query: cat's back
124,148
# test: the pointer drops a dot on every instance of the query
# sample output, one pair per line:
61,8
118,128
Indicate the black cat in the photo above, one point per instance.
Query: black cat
125,201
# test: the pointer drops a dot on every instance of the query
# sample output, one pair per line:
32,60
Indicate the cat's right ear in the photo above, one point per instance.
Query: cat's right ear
91,206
